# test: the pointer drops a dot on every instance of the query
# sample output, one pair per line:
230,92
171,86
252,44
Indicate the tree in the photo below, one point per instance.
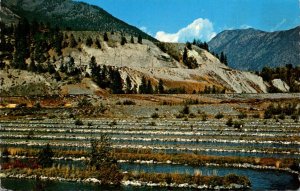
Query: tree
149,89
102,159
140,39
73,42
185,55
45,157
128,85
51,68
58,39
143,86
22,32
105,37
189,45
161,89
89,41
97,42
32,67
116,85
132,40
123,40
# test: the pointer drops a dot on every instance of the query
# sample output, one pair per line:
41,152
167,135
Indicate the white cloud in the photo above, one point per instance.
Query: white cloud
145,29
199,29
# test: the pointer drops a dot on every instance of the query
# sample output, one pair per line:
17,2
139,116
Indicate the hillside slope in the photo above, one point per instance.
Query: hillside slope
70,14
251,49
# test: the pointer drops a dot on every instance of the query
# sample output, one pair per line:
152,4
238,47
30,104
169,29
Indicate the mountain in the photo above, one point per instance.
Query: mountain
250,49
72,15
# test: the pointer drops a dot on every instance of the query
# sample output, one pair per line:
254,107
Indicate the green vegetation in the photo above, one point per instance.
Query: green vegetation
288,74
155,115
219,116
280,110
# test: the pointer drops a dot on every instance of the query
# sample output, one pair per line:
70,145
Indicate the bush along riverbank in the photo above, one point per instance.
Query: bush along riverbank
147,156
111,176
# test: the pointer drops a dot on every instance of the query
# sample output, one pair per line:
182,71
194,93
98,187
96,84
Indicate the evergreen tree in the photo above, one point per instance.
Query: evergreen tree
116,84
143,86
45,157
123,40
128,85
22,33
89,41
32,66
189,45
140,39
161,89
105,37
97,42
149,89
132,40
185,55
2,65
51,68
73,42
58,39
222,57
225,60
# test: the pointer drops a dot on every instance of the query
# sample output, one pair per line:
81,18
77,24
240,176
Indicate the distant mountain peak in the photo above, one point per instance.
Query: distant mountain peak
252,49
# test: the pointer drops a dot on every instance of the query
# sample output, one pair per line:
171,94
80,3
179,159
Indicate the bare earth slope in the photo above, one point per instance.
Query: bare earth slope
147,59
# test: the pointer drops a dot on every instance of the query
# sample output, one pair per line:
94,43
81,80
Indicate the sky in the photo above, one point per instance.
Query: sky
184,20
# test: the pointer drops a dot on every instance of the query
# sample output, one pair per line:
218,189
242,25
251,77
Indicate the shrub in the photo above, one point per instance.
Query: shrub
219,116
281,116
192,115
128,102
229,122
152,123
185,110
257,116
114,122
180,115
238,124
155,115
204,117
242,115
78,122
84,103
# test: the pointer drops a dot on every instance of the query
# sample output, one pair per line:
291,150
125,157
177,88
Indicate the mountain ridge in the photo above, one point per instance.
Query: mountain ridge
252,49
73,15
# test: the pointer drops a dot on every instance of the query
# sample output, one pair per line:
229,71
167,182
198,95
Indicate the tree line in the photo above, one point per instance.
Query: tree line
287,73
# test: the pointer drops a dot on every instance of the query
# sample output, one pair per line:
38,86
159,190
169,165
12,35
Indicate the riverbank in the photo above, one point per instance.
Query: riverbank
174,180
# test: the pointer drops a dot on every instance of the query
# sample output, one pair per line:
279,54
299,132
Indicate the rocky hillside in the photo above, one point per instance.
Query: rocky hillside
69,14
136,61
251,49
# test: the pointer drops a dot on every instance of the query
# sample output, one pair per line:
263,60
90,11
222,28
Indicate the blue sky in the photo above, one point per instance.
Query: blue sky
181,20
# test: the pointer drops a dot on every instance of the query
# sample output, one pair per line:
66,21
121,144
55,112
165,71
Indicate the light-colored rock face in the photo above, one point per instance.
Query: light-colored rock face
281,85
137,60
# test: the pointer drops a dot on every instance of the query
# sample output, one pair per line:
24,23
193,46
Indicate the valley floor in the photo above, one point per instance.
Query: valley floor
175,134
